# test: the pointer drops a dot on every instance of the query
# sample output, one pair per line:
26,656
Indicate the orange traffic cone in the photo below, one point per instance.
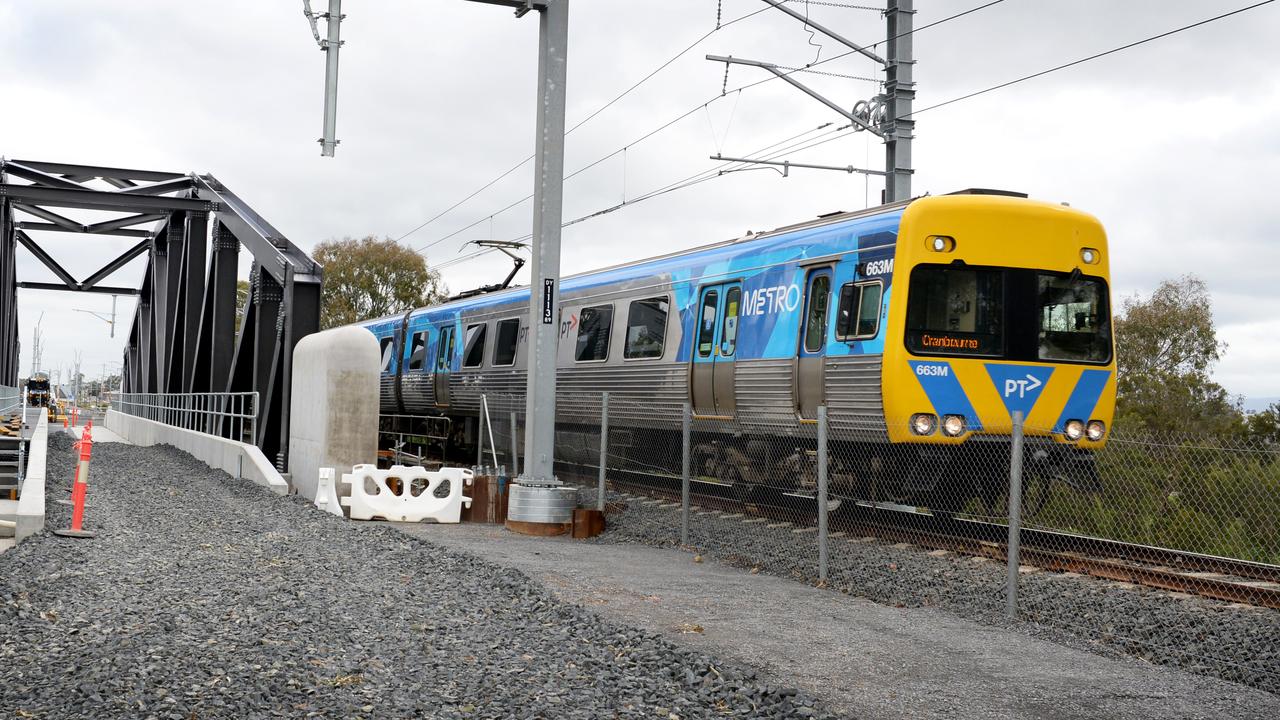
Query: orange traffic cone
79,488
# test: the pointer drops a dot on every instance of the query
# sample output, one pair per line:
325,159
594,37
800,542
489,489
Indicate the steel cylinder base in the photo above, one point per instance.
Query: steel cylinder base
83,534
541,510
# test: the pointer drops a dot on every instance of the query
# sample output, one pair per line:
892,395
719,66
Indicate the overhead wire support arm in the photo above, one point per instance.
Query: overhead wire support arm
786,165
809,22
782,74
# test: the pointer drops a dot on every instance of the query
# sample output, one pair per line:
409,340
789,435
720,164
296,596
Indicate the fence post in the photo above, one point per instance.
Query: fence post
604,448
686,432
822,493
515,448
1015,515
480,437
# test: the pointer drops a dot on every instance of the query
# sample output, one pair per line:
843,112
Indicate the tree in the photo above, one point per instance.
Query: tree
1264,427
1166,347
369,278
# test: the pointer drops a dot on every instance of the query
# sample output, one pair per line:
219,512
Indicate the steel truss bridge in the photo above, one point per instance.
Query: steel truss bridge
191,229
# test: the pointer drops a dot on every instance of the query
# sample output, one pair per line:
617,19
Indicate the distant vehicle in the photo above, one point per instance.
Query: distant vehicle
40,394
922,326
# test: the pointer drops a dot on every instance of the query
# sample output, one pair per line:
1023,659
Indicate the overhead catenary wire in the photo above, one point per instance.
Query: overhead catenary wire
707,175
664,126
719,26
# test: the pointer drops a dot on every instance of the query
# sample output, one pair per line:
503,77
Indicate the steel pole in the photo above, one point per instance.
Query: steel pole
544,298
1015,516
686,432
899,126
515,446
822,493
604,448
331,47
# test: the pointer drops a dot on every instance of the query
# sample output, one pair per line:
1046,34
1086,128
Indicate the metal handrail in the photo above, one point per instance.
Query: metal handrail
229,415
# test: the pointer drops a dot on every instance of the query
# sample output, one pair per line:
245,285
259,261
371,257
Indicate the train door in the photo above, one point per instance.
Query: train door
444,361
716,347
811,356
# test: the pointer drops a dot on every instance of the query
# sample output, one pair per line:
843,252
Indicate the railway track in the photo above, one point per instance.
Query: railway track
1226,579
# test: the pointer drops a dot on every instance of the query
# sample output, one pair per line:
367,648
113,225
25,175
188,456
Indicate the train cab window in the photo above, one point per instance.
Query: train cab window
646,328
729,333
593,333
707,324
858,315
473,354
444,349
504,347
815,329
956,311
1074,324
418,351
387,347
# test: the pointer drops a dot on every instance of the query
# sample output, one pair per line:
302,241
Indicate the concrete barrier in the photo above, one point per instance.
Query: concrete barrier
333,414
216,452
29,518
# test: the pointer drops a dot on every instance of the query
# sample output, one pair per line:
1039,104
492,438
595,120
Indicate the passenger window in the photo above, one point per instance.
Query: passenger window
729,323
859,311
473,356
444,349
386,346
707,328
646,328
504,349
593,333
418,351
816,321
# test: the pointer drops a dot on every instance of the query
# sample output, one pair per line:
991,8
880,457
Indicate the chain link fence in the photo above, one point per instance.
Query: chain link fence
1164,547
1158,546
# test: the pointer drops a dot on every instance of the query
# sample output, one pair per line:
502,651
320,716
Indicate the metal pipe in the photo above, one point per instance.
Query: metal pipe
1015,516
488,421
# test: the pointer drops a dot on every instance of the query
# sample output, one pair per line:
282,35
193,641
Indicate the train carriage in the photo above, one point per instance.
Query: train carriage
922,326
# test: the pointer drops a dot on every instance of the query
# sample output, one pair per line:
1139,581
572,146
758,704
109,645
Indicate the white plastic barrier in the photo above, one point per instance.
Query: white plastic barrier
327,494
416,500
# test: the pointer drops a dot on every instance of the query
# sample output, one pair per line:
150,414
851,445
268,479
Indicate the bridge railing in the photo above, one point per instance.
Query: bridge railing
229,415
10,399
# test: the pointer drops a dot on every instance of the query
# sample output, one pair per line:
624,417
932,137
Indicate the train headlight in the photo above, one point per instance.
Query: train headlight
924,423
953,425
1074,430
1095,430
942,243
1090,256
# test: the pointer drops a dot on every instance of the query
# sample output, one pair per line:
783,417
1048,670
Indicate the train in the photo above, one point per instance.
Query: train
923,328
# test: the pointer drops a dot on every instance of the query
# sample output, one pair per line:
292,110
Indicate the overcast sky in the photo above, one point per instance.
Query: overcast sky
1174,145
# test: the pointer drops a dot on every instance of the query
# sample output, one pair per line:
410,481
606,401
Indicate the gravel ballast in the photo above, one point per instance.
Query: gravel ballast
204,596
1218,639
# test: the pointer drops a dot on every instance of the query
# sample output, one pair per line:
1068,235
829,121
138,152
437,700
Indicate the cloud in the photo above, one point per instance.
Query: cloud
1172,144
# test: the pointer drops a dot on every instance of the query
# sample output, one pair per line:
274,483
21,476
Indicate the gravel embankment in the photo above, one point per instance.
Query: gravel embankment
206,597
1240,644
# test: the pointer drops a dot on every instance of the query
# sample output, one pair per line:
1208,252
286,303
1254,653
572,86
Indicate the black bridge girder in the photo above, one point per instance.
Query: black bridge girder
183,337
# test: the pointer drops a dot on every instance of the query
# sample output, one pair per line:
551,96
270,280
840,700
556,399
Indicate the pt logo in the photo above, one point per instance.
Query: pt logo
1019,385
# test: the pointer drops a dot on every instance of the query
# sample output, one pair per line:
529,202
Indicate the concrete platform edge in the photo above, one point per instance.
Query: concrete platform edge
226,455
30,517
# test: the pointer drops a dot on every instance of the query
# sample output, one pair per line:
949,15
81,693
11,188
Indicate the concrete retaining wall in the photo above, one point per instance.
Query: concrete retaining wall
226,455
30,515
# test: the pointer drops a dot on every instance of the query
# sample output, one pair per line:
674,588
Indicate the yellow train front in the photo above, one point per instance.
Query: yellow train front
1006,311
